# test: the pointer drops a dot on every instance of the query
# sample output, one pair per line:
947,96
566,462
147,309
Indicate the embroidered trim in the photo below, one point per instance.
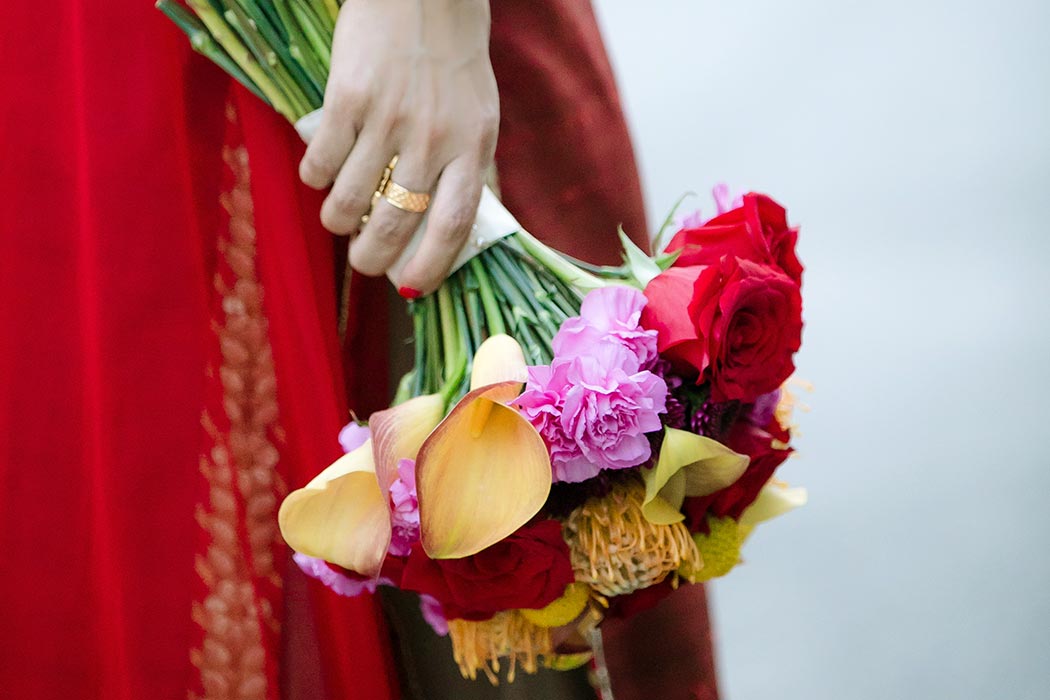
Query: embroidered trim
237,615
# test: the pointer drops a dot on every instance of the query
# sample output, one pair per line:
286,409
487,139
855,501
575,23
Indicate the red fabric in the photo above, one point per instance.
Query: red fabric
566,164
113,248
114,261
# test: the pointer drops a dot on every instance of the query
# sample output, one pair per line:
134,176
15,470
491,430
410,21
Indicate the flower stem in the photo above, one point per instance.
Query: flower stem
493,317
558,265
244,58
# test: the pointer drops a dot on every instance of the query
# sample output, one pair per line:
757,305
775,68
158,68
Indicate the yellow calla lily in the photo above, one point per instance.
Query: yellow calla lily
399,432
688,465
342,515
775,499
484,471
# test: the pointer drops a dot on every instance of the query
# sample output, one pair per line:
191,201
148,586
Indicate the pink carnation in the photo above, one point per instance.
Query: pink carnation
434,614
353,435
339,582
724,201
608,314
404,509
594,410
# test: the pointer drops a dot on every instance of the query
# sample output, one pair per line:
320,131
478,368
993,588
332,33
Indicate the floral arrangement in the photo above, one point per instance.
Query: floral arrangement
573,441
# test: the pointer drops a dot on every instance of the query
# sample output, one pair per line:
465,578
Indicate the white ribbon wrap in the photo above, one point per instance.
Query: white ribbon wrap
492,223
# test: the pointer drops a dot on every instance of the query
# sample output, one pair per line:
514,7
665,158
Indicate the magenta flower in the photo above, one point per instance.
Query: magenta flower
335,580
434,614
608,314
724,201
353,436
404,509
593,410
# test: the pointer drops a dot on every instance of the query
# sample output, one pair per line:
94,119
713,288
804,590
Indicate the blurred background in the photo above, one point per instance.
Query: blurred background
911,141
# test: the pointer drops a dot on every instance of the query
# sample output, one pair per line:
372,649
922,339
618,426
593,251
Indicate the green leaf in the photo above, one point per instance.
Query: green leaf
658,244
641,265
665,260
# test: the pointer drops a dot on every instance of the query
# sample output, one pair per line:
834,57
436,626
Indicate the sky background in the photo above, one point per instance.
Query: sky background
911,141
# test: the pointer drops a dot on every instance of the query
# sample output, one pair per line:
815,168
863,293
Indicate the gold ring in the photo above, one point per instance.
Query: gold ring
387,172
405,199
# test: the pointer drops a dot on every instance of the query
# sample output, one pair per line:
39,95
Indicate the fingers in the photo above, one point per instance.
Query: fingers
351,195
389,229
329,147
452,212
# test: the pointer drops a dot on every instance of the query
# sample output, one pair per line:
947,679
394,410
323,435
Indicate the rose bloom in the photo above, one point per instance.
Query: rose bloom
528,569
736,323
757,231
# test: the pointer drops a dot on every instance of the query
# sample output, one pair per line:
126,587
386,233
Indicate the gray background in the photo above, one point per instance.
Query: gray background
911,140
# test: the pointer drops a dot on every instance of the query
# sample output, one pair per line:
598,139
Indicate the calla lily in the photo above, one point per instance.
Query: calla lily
688,465
342,515
484,471
775,499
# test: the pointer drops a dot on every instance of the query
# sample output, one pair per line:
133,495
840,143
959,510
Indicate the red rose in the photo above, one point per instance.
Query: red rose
737,323
756,231
528,569
756,443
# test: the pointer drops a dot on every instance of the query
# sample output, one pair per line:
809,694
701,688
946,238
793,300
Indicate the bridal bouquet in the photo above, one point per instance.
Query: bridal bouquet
573,441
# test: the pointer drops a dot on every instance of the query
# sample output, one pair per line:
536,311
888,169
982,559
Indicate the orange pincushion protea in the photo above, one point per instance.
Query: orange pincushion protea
616,550
479,646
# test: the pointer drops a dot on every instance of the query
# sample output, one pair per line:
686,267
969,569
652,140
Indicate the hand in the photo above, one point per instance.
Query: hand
410,78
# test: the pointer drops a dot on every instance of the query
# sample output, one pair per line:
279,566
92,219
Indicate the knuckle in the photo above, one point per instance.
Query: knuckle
389,232
455,223
316,170
365,263
345,99
347,202
333,221
436,132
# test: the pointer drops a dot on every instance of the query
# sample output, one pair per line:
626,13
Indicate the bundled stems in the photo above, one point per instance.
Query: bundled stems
281,50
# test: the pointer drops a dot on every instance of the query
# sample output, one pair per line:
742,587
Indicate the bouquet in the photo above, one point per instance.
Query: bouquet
573,442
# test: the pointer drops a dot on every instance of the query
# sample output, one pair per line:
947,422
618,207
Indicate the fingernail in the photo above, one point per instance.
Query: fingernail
409,292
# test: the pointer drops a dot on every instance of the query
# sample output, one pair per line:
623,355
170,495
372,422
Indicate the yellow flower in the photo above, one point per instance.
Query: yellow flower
481,473
688,465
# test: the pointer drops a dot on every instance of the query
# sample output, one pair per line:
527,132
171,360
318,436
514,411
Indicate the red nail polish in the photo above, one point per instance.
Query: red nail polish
409,292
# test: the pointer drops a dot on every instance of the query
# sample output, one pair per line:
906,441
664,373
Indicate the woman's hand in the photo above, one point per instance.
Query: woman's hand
410,78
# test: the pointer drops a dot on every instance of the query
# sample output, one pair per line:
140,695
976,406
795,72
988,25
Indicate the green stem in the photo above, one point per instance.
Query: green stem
493,317
318,38
432,346
276,42
559,266
524,293
244,58
204,43
450,333
419,342
267,57
330,7
472,303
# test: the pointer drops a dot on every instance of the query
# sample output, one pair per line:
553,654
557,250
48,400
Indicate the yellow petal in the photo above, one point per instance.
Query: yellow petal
562,610
688,465
482,474
358,460
398,433
341,516
773,500
499,359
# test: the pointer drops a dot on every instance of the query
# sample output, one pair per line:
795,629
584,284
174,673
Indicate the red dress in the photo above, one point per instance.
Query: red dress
169,361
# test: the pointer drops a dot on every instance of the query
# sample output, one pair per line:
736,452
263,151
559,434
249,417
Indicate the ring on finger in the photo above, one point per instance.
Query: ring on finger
398,195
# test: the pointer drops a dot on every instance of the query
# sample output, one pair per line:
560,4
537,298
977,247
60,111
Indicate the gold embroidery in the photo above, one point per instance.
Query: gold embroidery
240,468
